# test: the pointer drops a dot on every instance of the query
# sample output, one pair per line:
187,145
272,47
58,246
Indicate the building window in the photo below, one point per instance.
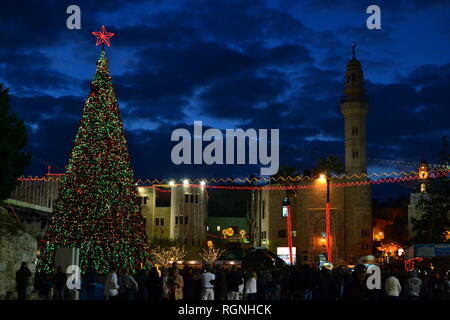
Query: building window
185,220
176,220
189,197
294,233
145,200
354,131
218,228
162,202
162,221
207,228
263,234
281,233
423,188
355,155
157,222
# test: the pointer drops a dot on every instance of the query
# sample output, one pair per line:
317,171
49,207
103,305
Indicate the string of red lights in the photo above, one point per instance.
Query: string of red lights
431,175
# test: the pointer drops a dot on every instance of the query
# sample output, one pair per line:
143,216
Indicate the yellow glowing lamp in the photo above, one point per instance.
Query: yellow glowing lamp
209,244
423,171
229,232
322,178
323,242
242,233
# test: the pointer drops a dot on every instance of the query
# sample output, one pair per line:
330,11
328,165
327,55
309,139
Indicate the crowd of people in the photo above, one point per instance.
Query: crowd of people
232,283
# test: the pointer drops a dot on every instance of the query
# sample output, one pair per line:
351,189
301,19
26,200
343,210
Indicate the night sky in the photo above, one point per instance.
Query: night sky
231,64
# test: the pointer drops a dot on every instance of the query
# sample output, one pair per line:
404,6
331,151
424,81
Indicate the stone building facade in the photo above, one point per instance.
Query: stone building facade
179,213
351,207
16,246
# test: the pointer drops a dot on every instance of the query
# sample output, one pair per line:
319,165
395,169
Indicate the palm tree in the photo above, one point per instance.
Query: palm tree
330,164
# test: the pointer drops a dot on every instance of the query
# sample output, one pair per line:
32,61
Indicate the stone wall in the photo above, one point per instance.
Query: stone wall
16,246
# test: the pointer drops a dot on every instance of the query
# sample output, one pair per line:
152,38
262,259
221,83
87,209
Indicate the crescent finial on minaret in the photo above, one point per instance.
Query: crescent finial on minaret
353,48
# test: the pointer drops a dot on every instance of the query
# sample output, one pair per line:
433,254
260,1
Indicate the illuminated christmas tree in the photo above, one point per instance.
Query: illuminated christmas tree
98,209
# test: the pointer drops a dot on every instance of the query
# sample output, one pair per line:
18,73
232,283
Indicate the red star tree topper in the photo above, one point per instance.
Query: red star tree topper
103,36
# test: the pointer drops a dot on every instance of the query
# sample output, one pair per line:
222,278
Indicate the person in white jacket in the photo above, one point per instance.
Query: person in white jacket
250,287
392,287
111,286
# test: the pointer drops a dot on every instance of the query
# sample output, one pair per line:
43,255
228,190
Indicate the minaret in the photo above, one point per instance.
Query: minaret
354,107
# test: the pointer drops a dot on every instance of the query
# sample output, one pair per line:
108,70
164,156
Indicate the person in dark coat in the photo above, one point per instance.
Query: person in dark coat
357,290
234,280
198,285
44,285
262,281
189,286
90,280
128,286
327,285
60,280
308,282
23,276
154,285
141,278
220,284
295,284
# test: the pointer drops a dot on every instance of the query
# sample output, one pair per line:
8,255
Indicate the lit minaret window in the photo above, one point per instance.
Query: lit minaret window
423,176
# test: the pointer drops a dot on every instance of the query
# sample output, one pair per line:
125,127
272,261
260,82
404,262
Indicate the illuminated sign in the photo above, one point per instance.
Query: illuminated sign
285,211
283,253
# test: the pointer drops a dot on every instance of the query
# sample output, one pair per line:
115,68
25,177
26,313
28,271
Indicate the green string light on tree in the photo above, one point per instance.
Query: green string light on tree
97,209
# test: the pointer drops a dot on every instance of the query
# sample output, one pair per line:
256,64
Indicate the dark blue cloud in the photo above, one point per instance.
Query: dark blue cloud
254,64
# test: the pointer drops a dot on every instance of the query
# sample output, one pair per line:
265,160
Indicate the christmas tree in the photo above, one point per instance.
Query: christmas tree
97,209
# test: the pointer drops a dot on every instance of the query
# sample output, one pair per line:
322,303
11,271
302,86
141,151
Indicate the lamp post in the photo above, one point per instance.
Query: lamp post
324,178
287,206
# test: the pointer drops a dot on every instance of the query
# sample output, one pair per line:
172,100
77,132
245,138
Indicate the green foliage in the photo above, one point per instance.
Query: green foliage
329,165
431,226
13,138
435,205
284,172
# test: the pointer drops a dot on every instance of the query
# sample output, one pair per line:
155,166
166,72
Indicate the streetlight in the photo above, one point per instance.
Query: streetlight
286,207
324,178
171,183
